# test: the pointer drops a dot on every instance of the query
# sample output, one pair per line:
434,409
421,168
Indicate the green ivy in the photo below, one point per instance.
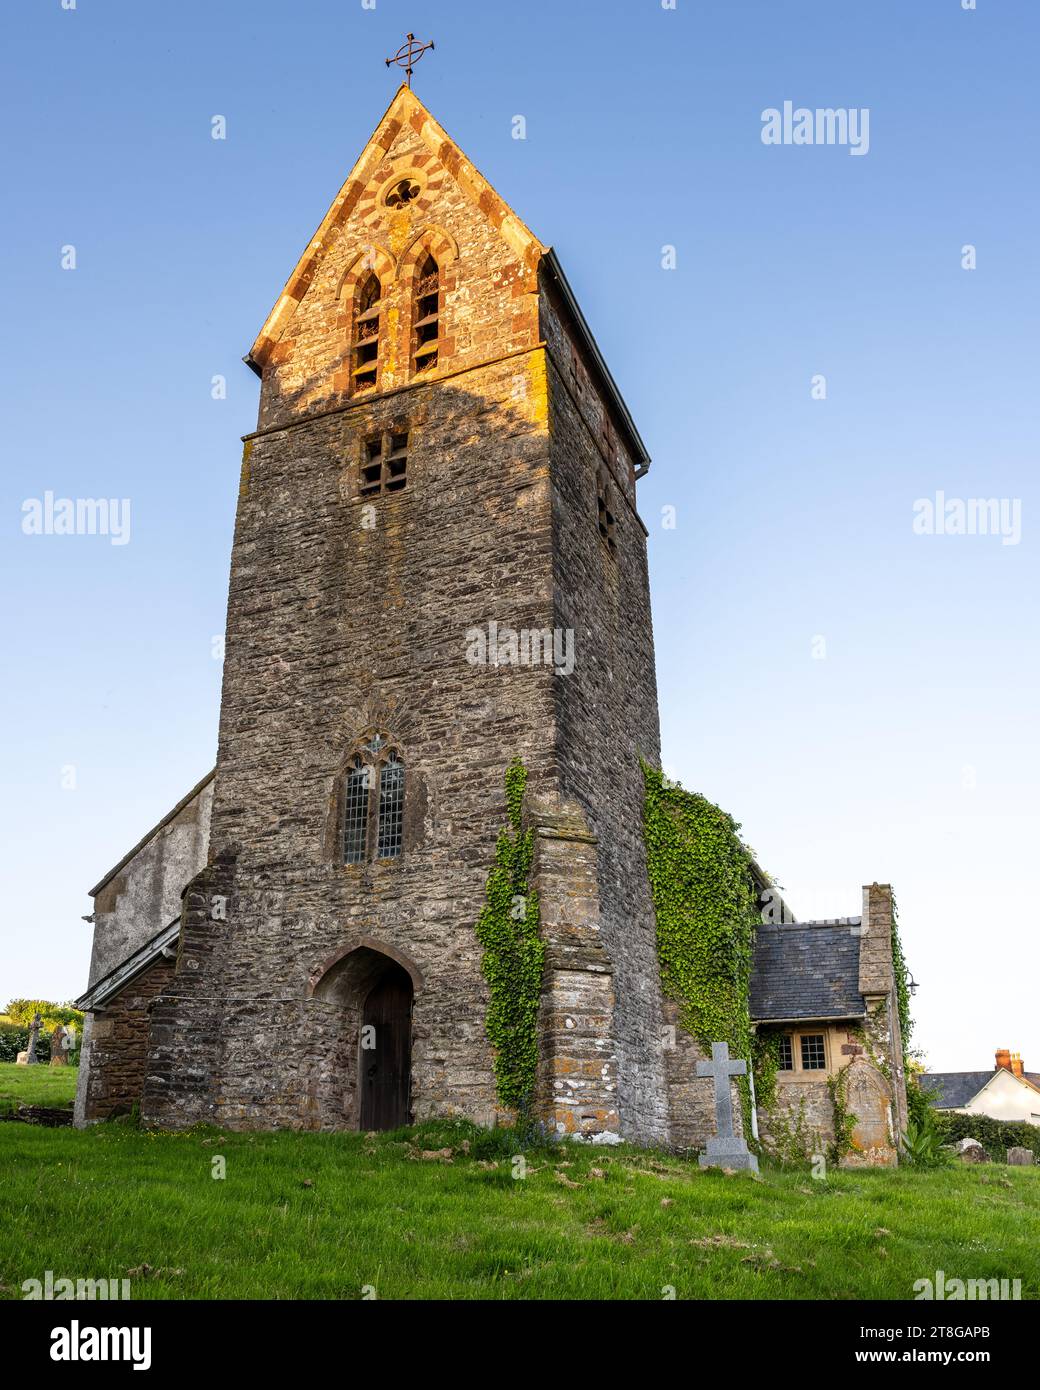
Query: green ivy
902,977
844,1120
765,1055
705,906
514,955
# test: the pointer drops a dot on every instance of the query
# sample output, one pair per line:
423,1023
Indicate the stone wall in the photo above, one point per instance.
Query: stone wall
187,1017
144,894
114,1056
607,708
347,616
576,1090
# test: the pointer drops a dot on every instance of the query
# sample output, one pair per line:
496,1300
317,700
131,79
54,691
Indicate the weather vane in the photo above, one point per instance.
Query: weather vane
409,54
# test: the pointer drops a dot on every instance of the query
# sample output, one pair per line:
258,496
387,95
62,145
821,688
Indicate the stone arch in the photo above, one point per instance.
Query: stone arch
355,968
426,342
441,245
361,1002
372,259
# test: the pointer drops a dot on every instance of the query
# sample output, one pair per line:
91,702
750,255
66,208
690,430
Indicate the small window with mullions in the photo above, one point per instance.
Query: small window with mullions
371,802
384,464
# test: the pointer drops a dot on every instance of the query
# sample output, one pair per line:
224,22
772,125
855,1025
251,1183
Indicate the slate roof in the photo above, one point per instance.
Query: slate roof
108,986
807,970
954,1089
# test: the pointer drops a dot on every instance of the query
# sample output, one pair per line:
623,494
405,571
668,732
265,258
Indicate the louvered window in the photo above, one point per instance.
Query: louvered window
367,319
426,316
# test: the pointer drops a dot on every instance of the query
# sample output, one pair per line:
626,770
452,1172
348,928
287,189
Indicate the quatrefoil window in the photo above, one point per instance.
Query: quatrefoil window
402,194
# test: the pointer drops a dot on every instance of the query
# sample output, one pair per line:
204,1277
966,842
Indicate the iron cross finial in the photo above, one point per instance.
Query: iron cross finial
409,54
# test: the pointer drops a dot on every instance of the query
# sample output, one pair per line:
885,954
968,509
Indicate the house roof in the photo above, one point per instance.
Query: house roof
169,816
807,970
952,1090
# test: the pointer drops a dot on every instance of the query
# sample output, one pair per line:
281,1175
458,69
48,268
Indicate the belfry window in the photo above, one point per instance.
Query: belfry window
426,316
367,319
384,463
605,511
372,803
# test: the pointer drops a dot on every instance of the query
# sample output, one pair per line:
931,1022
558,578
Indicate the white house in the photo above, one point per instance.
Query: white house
1009,1092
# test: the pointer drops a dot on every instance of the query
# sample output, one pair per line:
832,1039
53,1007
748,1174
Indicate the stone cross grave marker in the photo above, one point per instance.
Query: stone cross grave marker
34,1033
726,1150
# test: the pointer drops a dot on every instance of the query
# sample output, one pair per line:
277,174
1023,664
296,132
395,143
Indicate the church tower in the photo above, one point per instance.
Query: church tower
438,567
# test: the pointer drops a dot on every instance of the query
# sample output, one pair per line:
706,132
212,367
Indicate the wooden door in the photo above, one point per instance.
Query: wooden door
386,1065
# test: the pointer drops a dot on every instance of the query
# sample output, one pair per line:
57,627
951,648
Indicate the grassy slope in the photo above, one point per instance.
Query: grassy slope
321,1216
38,1085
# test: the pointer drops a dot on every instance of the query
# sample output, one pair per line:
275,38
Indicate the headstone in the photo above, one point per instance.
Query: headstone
22,1059
34,1034
970,1151
726,1150
1021,1158
59,1048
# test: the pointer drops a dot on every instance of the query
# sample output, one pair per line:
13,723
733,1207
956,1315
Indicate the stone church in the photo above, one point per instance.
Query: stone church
438,567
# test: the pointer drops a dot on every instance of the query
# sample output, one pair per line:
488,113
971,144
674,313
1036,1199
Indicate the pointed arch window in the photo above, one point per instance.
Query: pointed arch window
372,800
367,320
426,315
355,812
391,807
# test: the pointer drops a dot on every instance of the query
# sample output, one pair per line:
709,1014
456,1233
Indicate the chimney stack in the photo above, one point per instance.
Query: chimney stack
1016,1063
1003,1059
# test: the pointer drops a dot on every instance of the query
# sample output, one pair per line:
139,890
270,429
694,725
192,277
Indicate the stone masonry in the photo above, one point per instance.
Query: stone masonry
348,616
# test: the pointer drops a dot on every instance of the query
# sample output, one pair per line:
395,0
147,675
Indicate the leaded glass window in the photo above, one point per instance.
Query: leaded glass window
372,802
355,812
391,807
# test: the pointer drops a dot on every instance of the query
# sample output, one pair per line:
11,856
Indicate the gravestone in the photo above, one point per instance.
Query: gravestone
59,1048
1020,1158
970,1151
726,1150
34,1033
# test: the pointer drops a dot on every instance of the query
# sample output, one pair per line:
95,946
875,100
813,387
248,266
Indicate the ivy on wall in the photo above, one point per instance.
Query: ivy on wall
765,1060
902,977
514,955
845,1120
705,906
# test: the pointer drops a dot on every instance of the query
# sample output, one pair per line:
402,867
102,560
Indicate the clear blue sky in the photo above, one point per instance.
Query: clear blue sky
794,516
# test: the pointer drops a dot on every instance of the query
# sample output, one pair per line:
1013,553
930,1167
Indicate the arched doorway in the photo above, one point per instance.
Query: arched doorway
368,991
386,1051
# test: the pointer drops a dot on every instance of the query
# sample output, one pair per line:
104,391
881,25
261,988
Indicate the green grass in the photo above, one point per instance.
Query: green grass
324,1215
38,1085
